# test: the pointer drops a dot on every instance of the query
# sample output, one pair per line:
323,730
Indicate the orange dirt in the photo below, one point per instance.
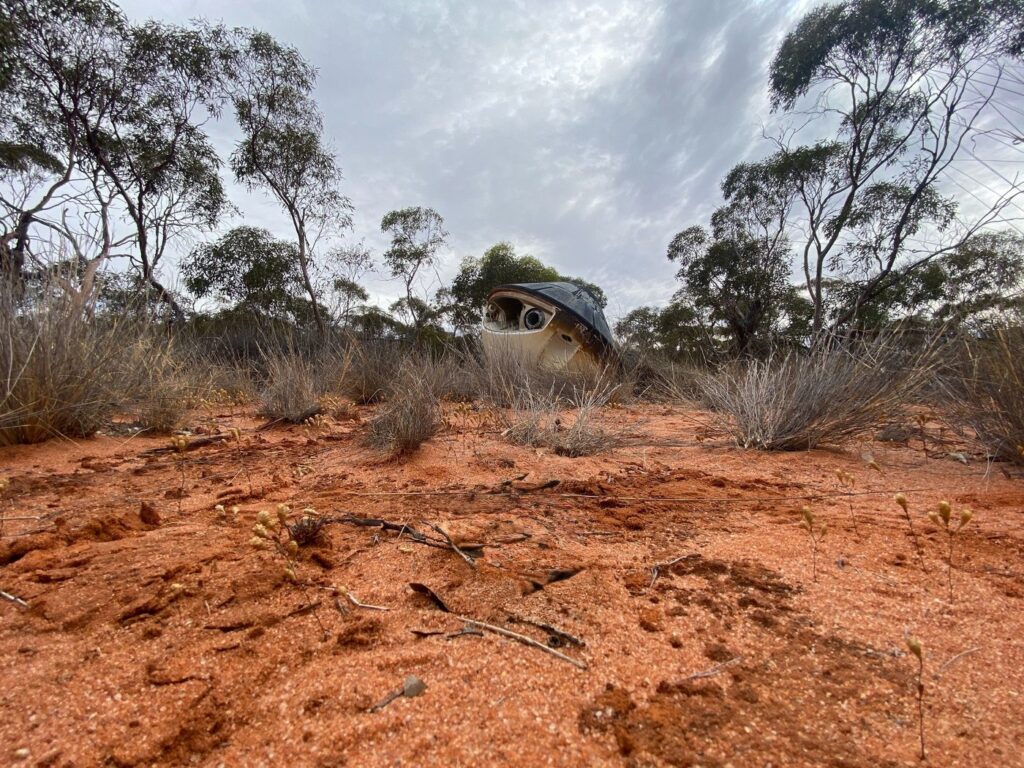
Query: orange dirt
155,633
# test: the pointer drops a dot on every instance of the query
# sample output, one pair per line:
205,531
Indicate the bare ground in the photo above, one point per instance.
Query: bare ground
155,633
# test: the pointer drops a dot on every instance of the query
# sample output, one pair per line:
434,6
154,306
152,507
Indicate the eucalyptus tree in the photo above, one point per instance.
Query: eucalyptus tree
282,150
904,88
416,236
738,273
100,96
248,269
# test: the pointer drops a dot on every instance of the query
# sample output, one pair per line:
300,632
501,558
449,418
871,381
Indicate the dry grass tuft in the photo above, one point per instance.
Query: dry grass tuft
410,417
64,372
985,391
803,400
373,370
293,388
563,422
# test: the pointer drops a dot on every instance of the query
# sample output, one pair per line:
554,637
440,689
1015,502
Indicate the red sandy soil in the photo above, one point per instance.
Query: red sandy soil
156,634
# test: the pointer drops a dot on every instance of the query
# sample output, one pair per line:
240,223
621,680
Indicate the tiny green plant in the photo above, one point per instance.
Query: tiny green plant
943,518
905,506
848,482
914,646
816,532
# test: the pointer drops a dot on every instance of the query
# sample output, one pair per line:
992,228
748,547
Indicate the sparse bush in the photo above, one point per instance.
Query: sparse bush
803,400
293,389
410,416
63,372
985,391
173,384
372,371
539,419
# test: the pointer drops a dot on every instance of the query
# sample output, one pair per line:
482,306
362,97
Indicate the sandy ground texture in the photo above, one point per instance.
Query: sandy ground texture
671,574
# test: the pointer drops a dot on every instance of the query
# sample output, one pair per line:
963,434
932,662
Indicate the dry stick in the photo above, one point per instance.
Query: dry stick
13,598
191,445
522,639
656,570
956,658
452,544
712,671
920,703
352,599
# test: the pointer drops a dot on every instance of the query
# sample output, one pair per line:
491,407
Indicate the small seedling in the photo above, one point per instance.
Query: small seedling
943,518
180,444
922,420
848,482
914,646
905,506
816,531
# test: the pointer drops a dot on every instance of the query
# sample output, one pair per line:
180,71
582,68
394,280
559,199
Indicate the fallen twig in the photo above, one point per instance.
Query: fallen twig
712,671
956,658
556,636
307,414
523,639
14,599
355,601
454,546
656,570
190,444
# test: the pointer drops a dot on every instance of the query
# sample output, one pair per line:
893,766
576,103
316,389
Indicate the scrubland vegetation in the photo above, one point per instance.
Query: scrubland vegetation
844,296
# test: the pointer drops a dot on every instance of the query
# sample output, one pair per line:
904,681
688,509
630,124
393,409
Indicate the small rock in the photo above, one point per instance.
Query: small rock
148,514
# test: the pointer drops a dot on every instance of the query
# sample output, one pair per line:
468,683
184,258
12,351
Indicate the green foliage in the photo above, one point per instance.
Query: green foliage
416,236
675,331
250,269
891,35
736,276
891,78
94,99
499,266
977,285
282,151
477,276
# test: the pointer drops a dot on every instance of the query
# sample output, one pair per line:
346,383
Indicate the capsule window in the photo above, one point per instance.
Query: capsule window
533,319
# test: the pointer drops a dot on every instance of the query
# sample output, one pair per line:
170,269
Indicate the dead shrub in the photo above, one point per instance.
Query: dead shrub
800,401
372,370
410,417
563,422
984,390
173,384
293,390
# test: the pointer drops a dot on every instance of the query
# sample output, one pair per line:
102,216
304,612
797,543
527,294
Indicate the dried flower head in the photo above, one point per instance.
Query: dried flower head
263,518
914,646
260,531
945,510
902,501
965,517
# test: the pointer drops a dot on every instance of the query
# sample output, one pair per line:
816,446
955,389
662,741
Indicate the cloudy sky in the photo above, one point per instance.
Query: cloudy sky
586,133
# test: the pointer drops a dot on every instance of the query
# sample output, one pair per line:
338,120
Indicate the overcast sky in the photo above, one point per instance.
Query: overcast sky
586,133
